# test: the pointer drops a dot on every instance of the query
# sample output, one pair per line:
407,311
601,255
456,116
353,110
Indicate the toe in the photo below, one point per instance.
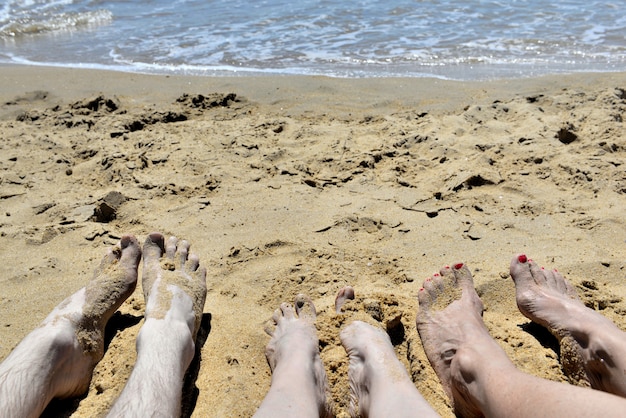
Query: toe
277,316
182,253
344,294
305,308
446,271
348,335
520,271
540,275
424,299
193,262
131,251
170,247
287,310
430,287
112,256
463,276
201,276
550,279
565,284
153,248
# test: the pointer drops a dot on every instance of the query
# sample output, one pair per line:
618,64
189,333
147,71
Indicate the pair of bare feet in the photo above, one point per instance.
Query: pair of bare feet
475,372
56,360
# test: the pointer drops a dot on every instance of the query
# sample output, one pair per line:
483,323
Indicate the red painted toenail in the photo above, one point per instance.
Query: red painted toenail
458,266
436,274
543,268
446,267
555,270
522,258
421,289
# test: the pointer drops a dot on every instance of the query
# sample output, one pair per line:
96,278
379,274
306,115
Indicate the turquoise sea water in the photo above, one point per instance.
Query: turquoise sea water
473,39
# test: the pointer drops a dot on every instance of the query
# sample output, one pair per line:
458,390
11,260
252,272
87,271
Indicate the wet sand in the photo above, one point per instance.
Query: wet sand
305,184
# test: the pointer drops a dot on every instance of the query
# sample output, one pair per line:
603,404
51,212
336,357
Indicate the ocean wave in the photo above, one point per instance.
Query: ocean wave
61,22
350,38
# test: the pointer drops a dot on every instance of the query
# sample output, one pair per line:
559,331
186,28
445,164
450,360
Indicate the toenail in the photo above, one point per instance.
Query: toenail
421,289
447,267
428,279
436,274
522,258
458,266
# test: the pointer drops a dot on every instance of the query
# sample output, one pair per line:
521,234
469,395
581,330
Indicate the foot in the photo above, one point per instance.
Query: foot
379,384
174,284
298,378
592,347
57,359
174,288
455,338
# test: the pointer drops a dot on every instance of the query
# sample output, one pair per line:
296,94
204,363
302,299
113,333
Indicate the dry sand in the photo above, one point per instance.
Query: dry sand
305,184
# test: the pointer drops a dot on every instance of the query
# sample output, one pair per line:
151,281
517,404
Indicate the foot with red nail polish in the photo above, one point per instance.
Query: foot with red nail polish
593,349
474,370
451,327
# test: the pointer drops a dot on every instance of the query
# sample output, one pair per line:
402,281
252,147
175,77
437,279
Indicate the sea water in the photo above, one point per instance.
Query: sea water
467,40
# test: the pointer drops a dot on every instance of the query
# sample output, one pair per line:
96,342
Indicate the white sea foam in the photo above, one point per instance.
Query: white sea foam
447,38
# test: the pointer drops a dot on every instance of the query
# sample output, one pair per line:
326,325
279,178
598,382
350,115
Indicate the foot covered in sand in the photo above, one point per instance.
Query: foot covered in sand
454,336
174,284
379,383
174,287
57,359
299,385
591,345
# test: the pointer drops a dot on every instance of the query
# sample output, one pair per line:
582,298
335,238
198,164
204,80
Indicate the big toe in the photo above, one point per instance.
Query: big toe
131,252
520,269
358,334
344,294
305,308
153,248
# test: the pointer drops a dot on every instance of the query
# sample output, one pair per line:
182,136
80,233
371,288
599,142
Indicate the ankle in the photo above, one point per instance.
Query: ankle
165,341
473,367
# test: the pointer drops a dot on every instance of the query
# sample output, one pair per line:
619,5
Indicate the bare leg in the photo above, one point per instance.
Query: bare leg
57,359
591,345
298,386
175,290
378,381
475,371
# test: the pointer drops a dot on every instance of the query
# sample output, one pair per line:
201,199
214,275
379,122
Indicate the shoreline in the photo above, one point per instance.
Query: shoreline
374,183
77,82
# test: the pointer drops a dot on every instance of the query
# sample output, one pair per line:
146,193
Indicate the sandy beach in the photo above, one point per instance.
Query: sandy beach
287,185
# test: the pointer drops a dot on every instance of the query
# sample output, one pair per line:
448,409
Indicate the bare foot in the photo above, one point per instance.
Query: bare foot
592,347
379,383
173,276
299,383
454,336
57,359
174,287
